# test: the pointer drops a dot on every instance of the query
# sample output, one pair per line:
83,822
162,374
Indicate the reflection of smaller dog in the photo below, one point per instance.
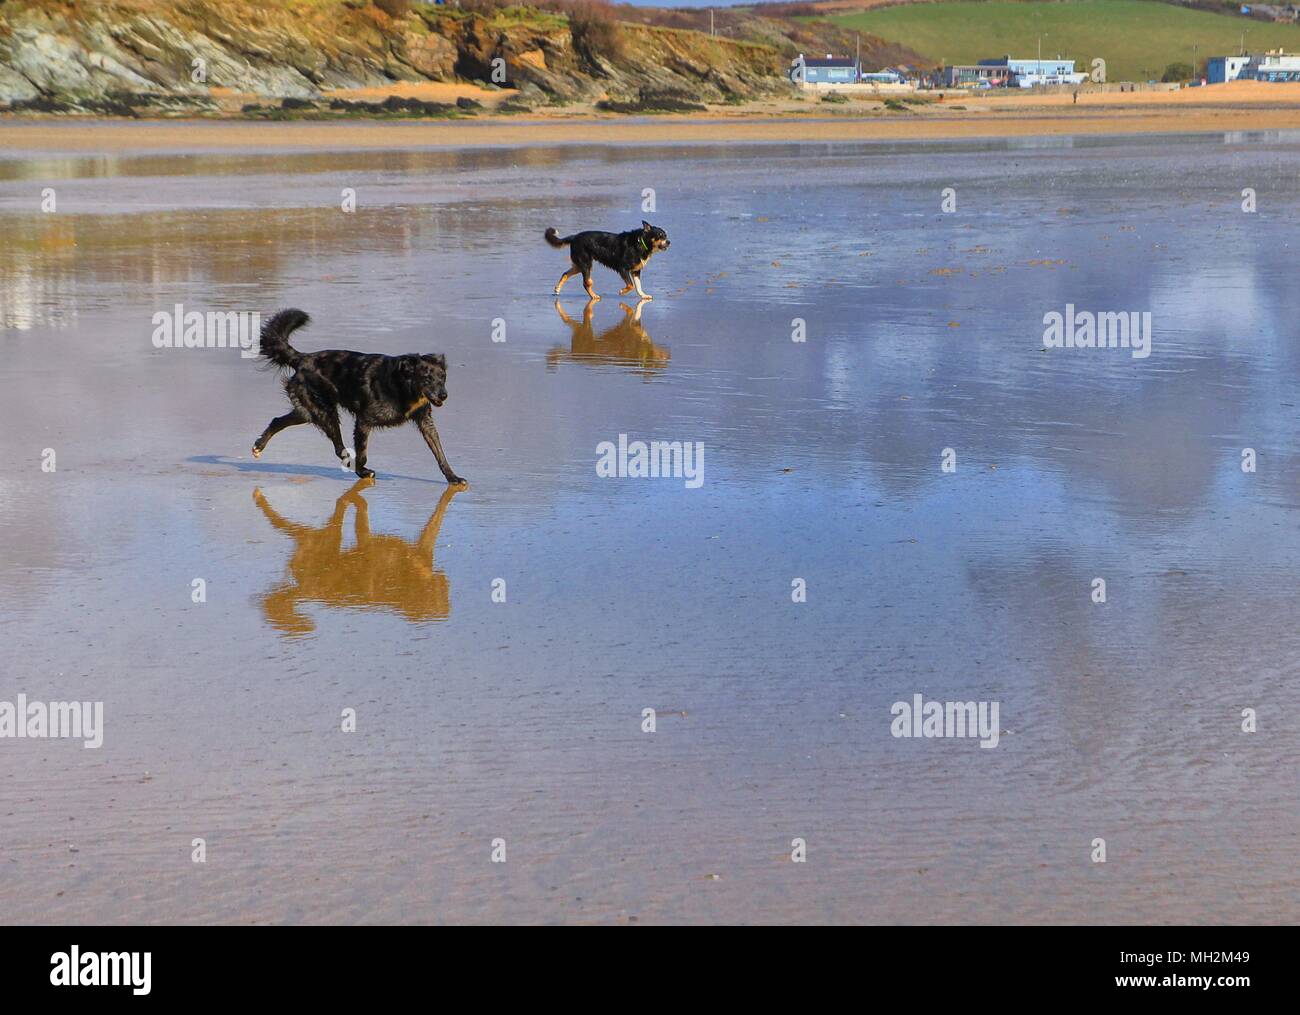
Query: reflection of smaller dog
625,343
626,253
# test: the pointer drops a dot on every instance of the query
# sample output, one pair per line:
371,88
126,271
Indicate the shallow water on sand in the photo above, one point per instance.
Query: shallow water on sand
521,720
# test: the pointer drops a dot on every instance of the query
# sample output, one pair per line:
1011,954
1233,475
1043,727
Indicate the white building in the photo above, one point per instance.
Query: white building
1273,66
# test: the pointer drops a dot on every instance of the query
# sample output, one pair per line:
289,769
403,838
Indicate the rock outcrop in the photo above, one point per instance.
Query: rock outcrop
83,54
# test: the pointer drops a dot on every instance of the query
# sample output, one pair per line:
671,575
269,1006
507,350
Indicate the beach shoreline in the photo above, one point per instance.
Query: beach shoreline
1252,106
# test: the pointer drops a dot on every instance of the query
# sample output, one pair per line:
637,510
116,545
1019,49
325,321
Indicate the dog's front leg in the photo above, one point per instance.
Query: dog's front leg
636,277
627,283
425,422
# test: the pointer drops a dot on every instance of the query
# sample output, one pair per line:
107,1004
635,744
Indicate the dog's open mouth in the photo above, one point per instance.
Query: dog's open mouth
437,402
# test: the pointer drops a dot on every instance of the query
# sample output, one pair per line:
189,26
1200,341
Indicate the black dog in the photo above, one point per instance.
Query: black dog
378,390
626,253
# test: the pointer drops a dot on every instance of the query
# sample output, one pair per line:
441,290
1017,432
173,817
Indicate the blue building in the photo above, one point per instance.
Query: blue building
1220,69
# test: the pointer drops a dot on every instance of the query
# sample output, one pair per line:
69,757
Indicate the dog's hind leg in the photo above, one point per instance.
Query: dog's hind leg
564,278
295,418
329,422
312,396
586,284
424,420
361,437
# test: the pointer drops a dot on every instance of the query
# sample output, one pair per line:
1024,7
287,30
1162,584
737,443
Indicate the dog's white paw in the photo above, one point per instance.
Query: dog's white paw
347,460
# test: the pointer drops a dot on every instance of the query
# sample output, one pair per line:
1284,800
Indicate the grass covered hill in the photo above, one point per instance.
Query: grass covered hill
1136,38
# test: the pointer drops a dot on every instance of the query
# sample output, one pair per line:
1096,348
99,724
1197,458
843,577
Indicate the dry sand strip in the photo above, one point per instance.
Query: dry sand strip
1216,109
182,136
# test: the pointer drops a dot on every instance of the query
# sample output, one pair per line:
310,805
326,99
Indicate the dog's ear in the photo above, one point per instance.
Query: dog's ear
437,359
647,226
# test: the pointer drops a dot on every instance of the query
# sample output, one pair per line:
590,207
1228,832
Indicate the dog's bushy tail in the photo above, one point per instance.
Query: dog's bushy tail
556,240
275,337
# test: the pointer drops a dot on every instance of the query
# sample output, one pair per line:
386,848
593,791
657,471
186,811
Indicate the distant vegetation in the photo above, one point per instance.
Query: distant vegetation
594,30
1138,39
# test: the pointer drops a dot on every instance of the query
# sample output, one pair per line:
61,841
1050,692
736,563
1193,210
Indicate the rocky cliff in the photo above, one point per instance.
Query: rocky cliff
95,52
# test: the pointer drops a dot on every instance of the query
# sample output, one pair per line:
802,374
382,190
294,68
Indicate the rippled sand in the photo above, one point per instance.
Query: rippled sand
521,720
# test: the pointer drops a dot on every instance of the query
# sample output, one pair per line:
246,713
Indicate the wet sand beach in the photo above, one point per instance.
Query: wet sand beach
521,720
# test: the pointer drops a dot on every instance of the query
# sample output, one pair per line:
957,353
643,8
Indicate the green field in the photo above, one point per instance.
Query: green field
1136,38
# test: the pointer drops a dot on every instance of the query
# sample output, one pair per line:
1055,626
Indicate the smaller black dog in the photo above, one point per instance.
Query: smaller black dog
379,391
626,253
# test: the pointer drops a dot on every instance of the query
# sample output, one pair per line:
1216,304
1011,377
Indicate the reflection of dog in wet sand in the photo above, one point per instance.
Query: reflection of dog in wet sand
626,253
382,572
379,391
625,343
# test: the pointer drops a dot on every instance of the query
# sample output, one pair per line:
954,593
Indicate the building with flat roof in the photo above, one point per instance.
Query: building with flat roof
1051,71
1273,66
1010,72
975,74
